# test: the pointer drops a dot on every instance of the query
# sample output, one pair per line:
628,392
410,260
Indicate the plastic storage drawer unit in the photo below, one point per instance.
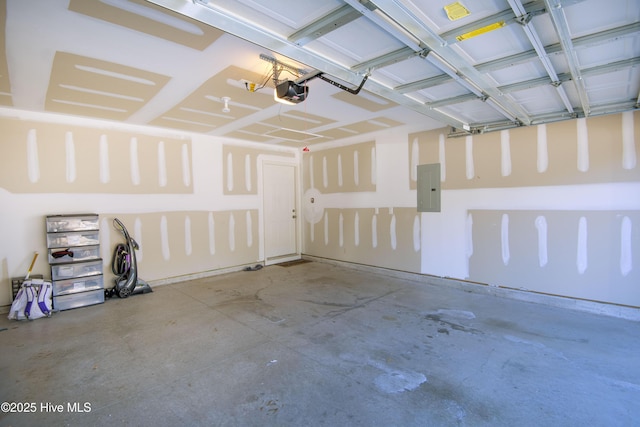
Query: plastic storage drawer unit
74,254
73,238
77,269
59,223
67,302
77,284
73,244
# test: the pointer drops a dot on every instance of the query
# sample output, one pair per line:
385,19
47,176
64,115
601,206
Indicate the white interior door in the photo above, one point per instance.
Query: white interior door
280,213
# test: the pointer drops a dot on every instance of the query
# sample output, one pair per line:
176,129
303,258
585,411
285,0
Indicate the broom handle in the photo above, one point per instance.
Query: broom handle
35,256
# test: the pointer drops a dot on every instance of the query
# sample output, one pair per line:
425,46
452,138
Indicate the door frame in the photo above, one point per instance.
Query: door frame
279,161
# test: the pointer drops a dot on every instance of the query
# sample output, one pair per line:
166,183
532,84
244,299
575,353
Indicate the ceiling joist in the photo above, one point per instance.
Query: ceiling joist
403,22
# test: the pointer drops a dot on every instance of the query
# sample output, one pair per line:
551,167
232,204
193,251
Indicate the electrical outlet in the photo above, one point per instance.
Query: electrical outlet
250,86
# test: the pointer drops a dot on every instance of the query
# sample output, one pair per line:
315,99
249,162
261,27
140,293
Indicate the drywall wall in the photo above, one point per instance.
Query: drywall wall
192,202
552,208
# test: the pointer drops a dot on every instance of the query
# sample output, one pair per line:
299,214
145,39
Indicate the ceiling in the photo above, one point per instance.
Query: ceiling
209,66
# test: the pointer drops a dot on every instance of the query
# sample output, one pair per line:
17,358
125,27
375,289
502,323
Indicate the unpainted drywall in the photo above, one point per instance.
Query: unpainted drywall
385,237
118,16
42,157
168,189
182,243
589,255
240,169
576,182
345,169
584,151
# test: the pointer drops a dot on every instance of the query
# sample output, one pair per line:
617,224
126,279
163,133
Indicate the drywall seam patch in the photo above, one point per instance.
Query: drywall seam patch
374,231
581,258
356,168
249,229
325,173
33,164
542,149
416,233
626,258
70,151
504,239
212,234
356,229
188,247
583,145
105,173
629,159
415,159
392,232
229,172
470,169
505,151
442,157
162,165
326,228
164,238
186,170
133,158
137,231
232,232
541,227
247,172
469,240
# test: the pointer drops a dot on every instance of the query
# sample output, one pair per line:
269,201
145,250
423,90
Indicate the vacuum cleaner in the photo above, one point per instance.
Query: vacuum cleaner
125,267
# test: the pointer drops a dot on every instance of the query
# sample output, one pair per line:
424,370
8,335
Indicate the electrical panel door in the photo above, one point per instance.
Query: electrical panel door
429,188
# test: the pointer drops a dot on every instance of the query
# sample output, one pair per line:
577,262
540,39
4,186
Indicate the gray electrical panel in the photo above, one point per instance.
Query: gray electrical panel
429,188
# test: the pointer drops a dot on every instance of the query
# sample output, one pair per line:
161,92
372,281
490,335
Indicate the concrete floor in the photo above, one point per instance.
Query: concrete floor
320,344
